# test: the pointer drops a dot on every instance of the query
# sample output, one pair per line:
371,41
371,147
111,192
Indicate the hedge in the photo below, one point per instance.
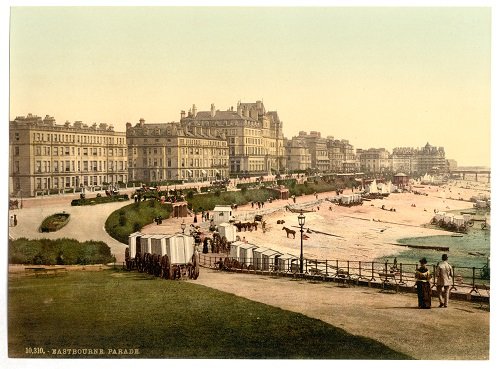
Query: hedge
58,252
99,200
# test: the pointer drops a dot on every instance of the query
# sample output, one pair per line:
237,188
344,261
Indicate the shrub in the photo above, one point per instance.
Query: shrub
59,251
98,200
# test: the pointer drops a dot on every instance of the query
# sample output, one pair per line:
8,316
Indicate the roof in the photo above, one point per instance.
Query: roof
400,175
271,252
222,208
220,114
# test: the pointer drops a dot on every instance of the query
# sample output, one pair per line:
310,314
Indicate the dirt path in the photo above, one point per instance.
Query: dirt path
460,331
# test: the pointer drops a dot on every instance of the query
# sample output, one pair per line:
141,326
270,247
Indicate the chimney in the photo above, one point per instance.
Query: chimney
239,108
128,125
141,122
212,110
183,114
194,111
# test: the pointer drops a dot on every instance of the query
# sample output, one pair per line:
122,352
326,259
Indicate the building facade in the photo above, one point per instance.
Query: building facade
374,160
417,161
49,158
170,151
254,136
298,157
317,149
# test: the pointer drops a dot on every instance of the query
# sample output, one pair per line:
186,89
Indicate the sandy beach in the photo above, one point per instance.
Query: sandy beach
363,232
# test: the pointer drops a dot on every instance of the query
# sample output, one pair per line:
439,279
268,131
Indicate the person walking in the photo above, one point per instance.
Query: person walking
444,280
423,277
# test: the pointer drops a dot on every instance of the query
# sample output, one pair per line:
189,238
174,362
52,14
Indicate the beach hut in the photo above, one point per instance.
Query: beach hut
146,243
157,244
246,253
287,262
270,259
179,248
459,220
257,257
345,199
234,251
134,243
222,214
448,218
227,230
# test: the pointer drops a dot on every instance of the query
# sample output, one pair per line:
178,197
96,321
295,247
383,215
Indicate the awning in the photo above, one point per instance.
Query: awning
190,172
204,171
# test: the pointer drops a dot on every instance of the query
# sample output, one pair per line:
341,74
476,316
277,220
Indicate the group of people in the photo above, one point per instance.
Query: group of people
444,280
259,204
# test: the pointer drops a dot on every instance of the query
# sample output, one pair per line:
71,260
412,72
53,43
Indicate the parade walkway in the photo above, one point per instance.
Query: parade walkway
460,331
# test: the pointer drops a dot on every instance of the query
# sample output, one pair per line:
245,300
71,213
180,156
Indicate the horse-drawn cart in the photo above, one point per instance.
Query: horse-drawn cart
166,256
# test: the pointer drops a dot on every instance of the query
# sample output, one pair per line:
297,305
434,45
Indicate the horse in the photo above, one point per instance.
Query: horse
289,231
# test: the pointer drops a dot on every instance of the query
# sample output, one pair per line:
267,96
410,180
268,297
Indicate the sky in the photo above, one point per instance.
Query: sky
379,77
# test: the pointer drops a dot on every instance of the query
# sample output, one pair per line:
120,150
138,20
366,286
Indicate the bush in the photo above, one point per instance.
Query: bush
59,251
98,200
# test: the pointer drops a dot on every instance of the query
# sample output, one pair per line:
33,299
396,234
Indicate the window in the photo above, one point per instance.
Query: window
38,166
16,150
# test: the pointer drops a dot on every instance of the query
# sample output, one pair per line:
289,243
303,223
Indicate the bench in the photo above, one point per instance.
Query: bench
36,271
389,280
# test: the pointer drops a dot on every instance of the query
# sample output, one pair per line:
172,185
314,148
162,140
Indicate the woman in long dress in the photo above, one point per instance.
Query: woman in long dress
423,277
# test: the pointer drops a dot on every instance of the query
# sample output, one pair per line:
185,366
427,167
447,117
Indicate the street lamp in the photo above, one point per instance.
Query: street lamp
183,226
302,221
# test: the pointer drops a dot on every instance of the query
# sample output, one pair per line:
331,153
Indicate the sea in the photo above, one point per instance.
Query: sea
470,250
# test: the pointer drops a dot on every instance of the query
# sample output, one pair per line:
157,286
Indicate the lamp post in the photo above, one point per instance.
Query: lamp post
302,221
183,226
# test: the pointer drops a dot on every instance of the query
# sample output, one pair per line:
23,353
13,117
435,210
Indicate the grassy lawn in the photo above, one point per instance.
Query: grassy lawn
113,309
131,218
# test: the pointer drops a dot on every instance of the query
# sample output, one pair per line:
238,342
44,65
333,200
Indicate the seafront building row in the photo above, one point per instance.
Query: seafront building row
46,157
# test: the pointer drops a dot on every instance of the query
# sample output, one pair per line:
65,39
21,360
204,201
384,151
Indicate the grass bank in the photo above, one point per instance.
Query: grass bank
165,319
131,218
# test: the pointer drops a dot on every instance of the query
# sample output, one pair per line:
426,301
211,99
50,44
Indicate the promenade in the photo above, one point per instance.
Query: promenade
459,332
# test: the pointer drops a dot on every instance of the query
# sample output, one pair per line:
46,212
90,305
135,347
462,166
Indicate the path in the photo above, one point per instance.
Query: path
459,332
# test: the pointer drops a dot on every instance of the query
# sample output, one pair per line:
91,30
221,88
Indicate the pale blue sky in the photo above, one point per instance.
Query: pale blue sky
380,77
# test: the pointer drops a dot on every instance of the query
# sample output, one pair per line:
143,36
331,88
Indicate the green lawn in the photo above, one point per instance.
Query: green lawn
113,309
131,218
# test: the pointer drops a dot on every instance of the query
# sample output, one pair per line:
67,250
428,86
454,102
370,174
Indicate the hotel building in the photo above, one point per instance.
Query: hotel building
49,158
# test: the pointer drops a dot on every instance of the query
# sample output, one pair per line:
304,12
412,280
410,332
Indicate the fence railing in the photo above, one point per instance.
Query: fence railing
464,279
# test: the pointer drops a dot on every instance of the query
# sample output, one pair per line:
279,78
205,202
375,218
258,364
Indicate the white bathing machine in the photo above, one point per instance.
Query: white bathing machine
459,220
134,243
257,257
222,214
234,251
270,259
246,253
146,243
288,262
179,248
448,218
227,230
